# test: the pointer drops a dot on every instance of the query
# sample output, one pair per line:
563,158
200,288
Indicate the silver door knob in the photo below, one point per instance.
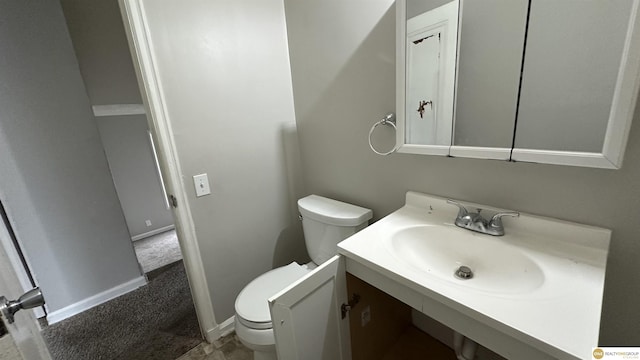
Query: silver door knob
30,299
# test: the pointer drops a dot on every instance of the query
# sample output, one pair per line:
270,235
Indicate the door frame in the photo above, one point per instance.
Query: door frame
137,32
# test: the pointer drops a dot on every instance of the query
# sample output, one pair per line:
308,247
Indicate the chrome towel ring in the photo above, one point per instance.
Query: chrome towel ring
390,120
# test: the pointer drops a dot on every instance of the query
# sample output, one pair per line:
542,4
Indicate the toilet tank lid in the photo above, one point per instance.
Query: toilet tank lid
333,212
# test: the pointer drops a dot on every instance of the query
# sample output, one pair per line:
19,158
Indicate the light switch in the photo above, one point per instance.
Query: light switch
201,183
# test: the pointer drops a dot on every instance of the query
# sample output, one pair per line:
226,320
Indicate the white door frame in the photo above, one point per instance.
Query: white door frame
150,85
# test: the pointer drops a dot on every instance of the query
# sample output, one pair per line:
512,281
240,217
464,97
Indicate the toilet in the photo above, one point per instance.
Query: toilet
325,223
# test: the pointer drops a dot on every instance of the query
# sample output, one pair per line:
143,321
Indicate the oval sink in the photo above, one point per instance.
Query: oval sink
441,250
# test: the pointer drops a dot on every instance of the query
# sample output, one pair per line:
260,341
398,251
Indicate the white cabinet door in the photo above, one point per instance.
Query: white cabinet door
307,319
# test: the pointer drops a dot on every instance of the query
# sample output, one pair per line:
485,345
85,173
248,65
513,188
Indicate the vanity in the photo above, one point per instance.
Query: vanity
534,293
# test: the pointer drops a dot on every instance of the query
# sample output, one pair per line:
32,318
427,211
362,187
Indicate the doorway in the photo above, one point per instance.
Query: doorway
136,175
56,183
100,46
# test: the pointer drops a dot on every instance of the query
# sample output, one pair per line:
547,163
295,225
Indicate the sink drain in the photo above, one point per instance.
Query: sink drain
464,273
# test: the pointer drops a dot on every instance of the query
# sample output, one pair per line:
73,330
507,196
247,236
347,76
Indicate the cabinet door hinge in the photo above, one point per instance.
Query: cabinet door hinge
345,308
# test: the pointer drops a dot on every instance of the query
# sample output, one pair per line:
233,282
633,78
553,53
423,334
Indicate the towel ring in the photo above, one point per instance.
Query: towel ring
390,120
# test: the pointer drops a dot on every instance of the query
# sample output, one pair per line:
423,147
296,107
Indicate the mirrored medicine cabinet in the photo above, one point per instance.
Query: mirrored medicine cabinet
523,80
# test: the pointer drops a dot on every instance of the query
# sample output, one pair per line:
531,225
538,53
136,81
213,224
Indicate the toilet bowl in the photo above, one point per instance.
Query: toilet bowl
325,222
253,321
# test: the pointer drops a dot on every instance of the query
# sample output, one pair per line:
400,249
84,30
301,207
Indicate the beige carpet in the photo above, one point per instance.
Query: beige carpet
157,251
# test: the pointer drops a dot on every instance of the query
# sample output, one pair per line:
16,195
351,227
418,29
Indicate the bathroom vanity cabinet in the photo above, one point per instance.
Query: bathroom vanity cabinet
307,319
382,327
536,294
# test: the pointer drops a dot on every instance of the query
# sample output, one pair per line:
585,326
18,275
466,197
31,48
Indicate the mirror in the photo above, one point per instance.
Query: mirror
489,64
571,109
546,81
427,63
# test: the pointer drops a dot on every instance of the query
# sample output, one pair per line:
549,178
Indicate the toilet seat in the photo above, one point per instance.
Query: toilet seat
252,308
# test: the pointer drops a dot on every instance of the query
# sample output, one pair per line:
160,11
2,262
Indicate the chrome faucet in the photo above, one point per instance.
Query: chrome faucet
475,221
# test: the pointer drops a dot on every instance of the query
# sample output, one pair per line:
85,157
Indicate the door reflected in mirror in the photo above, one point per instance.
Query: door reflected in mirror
428,75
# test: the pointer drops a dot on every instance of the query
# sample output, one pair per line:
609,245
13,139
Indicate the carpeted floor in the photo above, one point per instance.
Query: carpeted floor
157,321
157,251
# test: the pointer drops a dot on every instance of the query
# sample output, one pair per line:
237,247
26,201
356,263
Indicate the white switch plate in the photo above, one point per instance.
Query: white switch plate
201,183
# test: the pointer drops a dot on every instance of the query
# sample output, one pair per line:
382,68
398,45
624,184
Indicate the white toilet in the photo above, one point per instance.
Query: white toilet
325,222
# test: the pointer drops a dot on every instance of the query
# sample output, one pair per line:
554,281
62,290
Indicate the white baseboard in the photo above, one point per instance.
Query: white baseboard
223,329
152,232
95,300
227,326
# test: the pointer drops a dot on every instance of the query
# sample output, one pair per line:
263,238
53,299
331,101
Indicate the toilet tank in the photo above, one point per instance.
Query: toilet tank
326,222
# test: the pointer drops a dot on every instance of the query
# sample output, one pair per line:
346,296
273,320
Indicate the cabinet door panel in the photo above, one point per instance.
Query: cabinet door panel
307,321
573,54
489,63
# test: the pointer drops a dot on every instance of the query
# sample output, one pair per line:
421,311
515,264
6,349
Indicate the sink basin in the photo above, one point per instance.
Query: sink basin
440,250
540,285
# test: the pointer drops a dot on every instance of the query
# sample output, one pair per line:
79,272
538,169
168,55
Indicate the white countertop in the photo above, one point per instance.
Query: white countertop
560,316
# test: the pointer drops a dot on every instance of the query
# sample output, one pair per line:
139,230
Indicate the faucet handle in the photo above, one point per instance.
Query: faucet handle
496,220
462,211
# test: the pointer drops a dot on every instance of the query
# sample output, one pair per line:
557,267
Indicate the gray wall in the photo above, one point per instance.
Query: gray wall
55,182
352,85
103,53
228,95
128,149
